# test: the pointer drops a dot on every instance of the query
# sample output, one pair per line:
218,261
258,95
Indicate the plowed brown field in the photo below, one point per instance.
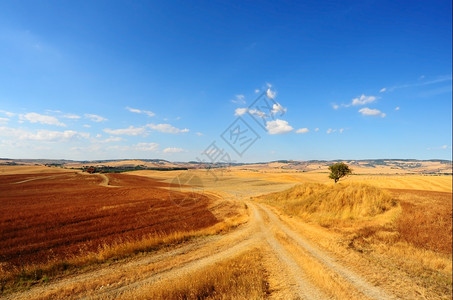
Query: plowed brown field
54,215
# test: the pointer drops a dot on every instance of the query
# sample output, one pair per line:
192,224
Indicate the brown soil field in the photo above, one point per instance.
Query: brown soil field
426,219
51,216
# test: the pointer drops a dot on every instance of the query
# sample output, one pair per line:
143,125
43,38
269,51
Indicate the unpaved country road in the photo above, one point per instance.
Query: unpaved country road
264,230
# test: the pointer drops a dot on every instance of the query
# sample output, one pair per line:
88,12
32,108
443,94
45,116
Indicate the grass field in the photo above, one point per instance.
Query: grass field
54,223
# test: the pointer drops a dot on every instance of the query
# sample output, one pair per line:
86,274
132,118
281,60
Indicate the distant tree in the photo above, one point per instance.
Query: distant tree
338,171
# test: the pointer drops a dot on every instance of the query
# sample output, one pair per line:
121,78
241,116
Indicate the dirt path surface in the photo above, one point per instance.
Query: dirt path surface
264,230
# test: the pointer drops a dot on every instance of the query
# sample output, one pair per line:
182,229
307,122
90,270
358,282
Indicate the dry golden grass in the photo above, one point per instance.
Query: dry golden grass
416,182
332,285
407,229
121,249
426,220
332,204
242,277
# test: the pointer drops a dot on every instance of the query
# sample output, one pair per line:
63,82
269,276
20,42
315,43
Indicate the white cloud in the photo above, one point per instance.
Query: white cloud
341,130
199,133
173,150
139,111
443,147
397,108
271,94
95,118
439,79
43,135
316,129
257,91
71,116
330,130
371,112
7,113
363,99
42,119
240,99
383,90
278,127
258,113
113,139
86,126
302,130
240,111
146,146
167,128
278,108
136,147
4,120
335,106
131,130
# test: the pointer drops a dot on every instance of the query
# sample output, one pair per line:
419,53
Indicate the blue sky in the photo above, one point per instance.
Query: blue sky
146,79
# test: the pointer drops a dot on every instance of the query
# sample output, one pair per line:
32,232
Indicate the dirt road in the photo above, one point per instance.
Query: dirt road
289,261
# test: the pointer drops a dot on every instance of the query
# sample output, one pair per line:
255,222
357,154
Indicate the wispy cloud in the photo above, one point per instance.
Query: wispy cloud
371,112
333,130
136,147
361,100
7,113
71,116
167,128
113,139
239,99
146,146
316,129
302,130
278,127
42,119
173,150
140,111
43,135
95,118
397,108
383,90
199,133
443,147
131,130
4,120
439,79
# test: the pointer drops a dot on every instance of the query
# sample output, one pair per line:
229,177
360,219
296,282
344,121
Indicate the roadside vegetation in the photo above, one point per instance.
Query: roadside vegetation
406,229
331,205
241,277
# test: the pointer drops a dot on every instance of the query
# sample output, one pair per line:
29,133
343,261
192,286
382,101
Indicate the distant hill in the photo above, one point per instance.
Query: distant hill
367,166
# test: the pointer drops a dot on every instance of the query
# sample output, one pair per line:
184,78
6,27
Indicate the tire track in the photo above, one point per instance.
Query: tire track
357,281
260,230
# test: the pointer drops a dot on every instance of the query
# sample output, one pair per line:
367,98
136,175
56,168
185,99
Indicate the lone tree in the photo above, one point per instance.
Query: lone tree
338,171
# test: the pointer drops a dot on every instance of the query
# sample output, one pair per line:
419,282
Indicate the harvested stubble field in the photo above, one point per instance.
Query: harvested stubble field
51,218
368,237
